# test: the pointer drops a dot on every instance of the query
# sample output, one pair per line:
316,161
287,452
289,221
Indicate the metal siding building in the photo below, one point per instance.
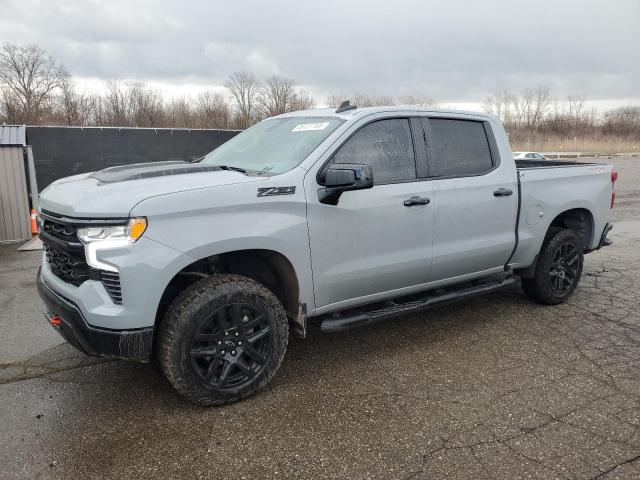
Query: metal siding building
14,203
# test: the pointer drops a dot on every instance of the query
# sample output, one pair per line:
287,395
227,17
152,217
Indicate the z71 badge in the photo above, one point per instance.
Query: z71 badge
268,191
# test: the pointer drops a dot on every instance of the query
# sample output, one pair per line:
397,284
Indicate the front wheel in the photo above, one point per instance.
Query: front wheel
222,339
558,269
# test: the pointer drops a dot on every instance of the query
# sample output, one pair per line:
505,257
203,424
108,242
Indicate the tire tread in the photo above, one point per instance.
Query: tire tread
177,317
538,288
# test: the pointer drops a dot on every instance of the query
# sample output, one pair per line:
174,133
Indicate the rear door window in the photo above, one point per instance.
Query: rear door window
458,147
386,145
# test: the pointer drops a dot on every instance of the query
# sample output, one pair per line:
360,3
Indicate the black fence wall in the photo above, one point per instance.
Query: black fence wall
63,151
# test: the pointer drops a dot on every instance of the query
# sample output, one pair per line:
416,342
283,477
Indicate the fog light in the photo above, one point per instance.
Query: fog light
55,320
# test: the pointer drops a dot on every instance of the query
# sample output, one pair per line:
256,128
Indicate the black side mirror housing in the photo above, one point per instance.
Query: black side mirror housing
343,177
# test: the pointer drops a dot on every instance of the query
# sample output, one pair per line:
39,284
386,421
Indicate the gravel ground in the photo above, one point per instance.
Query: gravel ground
494,387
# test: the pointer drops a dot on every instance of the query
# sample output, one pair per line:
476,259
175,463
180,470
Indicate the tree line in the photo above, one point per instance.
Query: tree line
535,111
36,89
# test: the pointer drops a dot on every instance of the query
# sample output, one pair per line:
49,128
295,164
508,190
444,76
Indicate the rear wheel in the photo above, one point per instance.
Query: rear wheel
222,339
558,269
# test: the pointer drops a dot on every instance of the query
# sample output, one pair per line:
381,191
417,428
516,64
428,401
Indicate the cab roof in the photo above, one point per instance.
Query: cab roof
360,112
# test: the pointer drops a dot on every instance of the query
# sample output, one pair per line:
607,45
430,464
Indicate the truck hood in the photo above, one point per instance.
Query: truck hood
114,191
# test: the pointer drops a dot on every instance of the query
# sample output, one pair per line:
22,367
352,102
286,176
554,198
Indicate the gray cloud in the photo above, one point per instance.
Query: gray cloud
450,50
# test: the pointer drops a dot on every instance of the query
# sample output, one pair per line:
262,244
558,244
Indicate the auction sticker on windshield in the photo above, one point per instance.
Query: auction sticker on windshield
305,127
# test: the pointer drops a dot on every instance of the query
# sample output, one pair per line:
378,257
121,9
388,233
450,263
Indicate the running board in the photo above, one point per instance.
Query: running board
341,322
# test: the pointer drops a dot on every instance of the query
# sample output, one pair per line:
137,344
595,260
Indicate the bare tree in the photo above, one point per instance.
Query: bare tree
280,95
74,107
623,121
364,100
29,78
145,105
416,101
508,106
213,110
244,88
114,111
575,104
179,113
534,104
361,100
277,95
302,101
9,111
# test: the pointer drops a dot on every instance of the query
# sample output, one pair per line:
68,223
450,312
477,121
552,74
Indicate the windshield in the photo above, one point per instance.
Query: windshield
274,146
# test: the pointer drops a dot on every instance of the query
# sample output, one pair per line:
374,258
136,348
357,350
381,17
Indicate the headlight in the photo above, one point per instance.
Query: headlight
130,232
102,238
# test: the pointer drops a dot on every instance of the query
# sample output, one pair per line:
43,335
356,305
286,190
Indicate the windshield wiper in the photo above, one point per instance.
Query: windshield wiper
265,171
246,171
229,167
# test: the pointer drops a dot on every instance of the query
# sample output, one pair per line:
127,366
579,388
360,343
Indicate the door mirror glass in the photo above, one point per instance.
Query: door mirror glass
342,177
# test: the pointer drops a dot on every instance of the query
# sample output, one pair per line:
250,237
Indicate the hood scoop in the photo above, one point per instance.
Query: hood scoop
141,171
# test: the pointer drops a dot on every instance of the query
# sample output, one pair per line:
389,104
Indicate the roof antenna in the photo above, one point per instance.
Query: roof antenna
344,106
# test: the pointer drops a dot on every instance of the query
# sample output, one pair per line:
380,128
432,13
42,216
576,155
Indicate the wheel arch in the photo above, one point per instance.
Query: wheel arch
268,267
580,220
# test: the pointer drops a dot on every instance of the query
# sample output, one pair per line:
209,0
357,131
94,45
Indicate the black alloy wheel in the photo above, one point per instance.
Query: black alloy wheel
231,346
558,268
564,268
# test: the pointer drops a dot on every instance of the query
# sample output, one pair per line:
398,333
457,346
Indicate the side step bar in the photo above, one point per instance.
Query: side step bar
342,322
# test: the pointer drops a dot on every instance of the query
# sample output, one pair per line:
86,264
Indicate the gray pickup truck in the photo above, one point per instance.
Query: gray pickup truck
345,217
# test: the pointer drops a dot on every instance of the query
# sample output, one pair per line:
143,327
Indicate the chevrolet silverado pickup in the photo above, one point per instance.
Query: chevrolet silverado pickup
344,217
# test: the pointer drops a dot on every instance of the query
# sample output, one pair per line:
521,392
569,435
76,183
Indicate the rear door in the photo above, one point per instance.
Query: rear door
371,244
476,198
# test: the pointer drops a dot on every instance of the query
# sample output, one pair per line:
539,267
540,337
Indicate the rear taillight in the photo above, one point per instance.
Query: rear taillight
613,198
614,178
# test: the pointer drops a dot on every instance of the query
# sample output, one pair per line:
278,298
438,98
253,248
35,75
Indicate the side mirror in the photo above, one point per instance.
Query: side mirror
342,177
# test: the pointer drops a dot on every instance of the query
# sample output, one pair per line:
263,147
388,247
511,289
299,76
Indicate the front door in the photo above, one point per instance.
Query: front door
374,243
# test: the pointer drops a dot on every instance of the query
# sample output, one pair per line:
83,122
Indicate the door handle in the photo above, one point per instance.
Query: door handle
503,192
410,202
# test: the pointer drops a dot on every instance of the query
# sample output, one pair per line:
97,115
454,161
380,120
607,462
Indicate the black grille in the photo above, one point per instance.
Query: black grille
64,251
111,282
67,233
65,255
69,267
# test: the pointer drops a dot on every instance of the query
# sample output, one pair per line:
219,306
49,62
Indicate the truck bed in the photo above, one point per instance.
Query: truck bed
527,164
550,187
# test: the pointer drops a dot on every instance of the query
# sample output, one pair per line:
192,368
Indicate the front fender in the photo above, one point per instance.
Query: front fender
232,219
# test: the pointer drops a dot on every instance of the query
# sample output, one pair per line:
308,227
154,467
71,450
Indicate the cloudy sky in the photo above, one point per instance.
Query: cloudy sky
454,51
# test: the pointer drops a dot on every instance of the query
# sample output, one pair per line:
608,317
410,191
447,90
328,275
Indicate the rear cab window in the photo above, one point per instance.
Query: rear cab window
457,147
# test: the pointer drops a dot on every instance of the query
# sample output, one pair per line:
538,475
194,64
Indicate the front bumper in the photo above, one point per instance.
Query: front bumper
131,344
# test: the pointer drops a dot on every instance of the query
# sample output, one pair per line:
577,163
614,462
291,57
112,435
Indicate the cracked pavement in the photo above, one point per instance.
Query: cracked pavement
493,387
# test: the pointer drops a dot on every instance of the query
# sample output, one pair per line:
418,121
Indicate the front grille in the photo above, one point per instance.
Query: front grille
71,269
66,258
60,231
